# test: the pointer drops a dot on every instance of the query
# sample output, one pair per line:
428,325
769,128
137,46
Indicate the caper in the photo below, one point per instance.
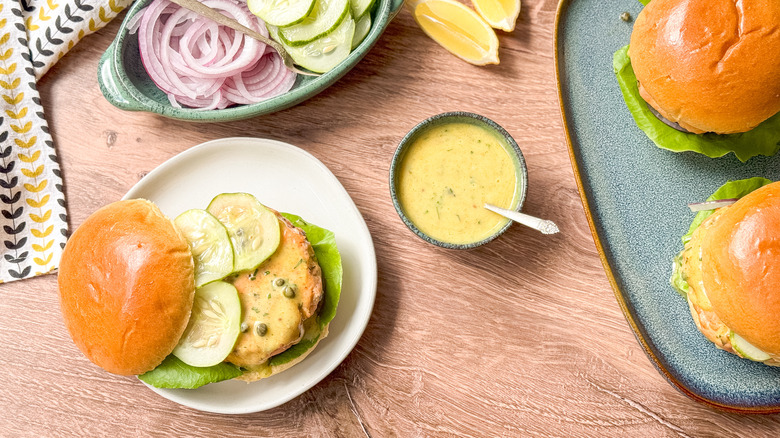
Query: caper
280,282
261,329
625,16
289,291
244,327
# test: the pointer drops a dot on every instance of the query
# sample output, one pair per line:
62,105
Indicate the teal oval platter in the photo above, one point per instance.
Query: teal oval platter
125,83
635,196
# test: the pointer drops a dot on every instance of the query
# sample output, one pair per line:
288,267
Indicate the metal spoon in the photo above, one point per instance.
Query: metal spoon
545,226
212,14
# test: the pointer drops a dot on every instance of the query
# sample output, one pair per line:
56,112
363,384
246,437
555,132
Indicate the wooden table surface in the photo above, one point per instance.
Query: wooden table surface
522,337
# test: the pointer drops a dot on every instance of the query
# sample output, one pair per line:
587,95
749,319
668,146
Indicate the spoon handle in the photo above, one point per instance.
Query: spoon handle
542,225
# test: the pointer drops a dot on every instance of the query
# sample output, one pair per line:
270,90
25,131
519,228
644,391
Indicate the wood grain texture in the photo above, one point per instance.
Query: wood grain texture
522,337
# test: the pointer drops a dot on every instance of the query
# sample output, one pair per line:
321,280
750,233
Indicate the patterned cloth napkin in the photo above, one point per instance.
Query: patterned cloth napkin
35,34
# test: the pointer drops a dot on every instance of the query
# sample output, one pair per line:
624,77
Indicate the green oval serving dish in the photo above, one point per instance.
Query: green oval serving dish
125,83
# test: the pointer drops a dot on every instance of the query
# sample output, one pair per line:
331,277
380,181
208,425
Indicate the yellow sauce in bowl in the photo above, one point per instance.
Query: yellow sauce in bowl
448,173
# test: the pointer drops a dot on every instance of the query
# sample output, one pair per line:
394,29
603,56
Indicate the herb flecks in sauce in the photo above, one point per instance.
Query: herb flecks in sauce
455,169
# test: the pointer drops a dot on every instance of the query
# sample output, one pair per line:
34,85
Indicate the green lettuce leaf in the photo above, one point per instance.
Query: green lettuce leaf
173,373
679,280
762,140
644,2
730,190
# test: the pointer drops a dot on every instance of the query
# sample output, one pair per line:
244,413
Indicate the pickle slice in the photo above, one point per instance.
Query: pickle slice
281,12
253,229
209,243
323,19
746,349
362,26
214,326
322,54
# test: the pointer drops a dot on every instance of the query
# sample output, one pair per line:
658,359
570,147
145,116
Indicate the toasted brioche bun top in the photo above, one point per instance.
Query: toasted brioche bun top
126,283
709,65
740,267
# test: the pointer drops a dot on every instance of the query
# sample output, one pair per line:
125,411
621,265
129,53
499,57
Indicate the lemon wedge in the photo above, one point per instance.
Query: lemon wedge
500,14
458,29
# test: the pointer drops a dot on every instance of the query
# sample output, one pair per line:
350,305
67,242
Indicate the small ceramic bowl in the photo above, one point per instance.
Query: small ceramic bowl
521,172
125,83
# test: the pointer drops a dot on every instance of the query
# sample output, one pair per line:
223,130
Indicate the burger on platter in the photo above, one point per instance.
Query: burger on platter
236,290
729,270
704,75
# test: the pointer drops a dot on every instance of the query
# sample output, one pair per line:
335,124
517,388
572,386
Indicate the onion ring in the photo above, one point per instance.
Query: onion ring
200,64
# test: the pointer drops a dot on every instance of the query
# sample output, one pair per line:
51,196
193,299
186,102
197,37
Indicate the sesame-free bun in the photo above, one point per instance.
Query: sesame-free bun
740,266
126,282
709,65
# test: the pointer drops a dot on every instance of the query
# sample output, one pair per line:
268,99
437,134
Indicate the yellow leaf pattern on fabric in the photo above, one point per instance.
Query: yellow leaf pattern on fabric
38,204
52,39
41,219
32,173
10,85
40,248
7,71
29,24
31,158
22,129
46,28
115,7
13,100
43,262
26,144
17,116
36,189
41,234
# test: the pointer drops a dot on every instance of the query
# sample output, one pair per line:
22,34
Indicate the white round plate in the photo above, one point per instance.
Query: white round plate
291,180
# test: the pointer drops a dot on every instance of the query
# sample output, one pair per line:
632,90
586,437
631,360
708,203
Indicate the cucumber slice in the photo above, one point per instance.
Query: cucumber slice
362,26
360,7
323,54
213,328
323,19
209,243
253,229
281,12
746,349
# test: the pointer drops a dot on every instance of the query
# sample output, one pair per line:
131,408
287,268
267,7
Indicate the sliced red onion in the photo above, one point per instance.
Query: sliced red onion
203,65
134,22
711,205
